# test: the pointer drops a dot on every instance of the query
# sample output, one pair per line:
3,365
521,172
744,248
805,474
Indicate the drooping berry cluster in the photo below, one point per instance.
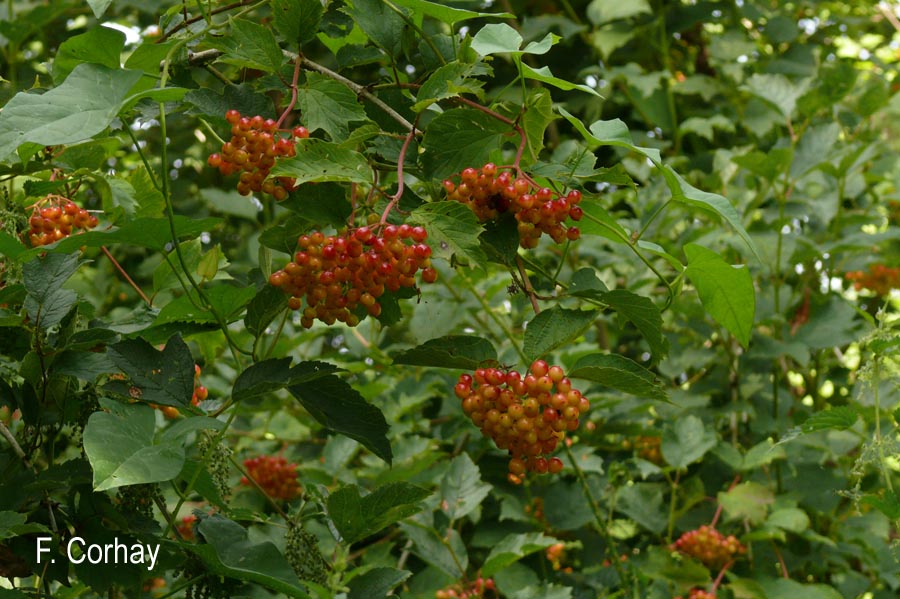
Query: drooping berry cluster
56,217
879,280
699,594
708,546
476,589
339,273
274,475
255,144
490,193
526,415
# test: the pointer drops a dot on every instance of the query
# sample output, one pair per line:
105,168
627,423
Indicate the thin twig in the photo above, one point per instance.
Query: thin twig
192,20
125,275
5,432
528,288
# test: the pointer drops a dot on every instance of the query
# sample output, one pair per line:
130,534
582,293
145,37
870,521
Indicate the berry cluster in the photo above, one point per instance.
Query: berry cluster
339,273
56,217
555,554
255,144
475,589
526,415
490,193
699,594
879,280
186,527
709,546
274,475
646,447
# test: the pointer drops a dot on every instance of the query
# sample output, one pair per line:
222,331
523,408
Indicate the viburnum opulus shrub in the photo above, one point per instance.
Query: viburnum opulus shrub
515,299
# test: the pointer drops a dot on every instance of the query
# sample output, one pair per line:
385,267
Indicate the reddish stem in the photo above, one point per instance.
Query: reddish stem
721,575
293,101
514,124
402,158
718,513
125,275
784,570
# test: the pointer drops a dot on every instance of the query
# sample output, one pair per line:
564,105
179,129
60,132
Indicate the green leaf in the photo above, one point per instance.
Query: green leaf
598,221
453,351
317,160
461,488
460,138
544,75
791,519
619,372
615,133
538,116
329,105
384,26
452,229
377,583
449,81
358,517
339,407
265,307
448,14
162,377
231,553
644,314
447,552
643,503
99,6
549,591
726,291
686,441
887,503
12,524
837,418
83,106
747,501
604,11
297,20
513,548
496,38
554,328
500,240
226,299
122,451
783,588
586,283
46,302
98,45
250,45
276,373
777,90
10,246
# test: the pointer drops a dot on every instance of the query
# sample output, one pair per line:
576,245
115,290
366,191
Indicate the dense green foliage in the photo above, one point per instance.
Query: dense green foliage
695,219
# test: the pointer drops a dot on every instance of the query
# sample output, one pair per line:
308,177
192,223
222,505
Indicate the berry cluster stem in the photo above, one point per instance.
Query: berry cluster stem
293,101
395,199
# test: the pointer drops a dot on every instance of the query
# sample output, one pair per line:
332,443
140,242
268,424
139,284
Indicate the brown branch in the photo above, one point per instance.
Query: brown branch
528,288
394,199
192,20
